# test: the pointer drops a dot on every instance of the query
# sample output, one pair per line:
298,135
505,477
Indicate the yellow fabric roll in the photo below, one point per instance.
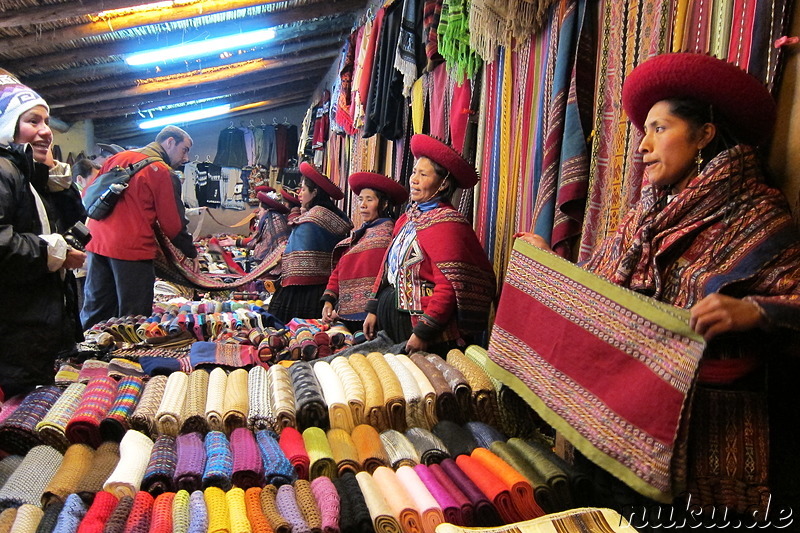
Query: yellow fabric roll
76,463
236,403
353,388
426,389
374,408
168,416
344,451
382,518
193,414
321,462
339,413
415,413
418,104
393,399
400,501
217,506
371,453
237,511
484,394
281,395
215,399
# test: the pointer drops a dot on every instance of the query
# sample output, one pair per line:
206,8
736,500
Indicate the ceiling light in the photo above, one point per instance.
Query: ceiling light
189,116
201,48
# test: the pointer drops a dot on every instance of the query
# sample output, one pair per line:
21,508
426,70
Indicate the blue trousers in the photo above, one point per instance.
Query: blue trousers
116,288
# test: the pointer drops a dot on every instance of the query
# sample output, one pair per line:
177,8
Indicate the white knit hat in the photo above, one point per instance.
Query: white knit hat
15,99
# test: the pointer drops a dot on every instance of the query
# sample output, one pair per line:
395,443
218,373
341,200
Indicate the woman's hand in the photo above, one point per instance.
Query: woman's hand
75,259
227,242
329,314
532,238
415,344
370,324
717,313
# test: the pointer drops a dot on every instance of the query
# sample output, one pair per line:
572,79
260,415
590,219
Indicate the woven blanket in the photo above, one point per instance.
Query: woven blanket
491,485
399,449
465,508
256,516
430,512
235,402
260,414
84,426
161,519
484,513
52,429
248,467
27,483
278,470
291,442
134,454
281,397
309,401
427,393
371,453
278,523
549,466
400,501
458,439
98,514
588,520
374,408
216,354
144,416
117,421
519,488
18,431
307,504
626,422
215,398
484,395
412,395
168,416
119,517
191,462
458,384
217,506
446,406
198,514
542,494
484,434
286,502
393,400
73,514
8,464
105,461
383,519
344,451
237,510
193,414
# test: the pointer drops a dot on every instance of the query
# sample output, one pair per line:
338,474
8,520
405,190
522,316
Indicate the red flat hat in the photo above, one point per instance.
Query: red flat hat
734,95
269,203
321,180
370,180
290,197
435,150
264,188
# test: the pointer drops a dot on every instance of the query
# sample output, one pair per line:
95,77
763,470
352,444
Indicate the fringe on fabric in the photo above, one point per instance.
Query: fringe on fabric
495,23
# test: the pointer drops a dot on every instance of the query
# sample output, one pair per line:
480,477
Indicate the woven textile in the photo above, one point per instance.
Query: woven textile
191,462
307,504
198,513
74,513
236,404
371,452
320,456
255,515
52,428
327,500
484,434
430,448
542,493
399,449
117,421
429,510
464,504
7,517
354,516
93,369
485,513
286,502
10,405
76,462
484,394
412,395
8,464
450,508
548,465
269,505
458,384
217,506
590,520
29,480
120,368
193,415
134,454
655,365
374,408
50,517
168,415
458,439
278,470
353,388
393,399
160,471
281,396
18,432
428,399
237,511
260,414
343,450
333,392
96,517
105,461
309,401
248,467
180,512
399,499
144,416
219,461
27,519
161,521
96,401
141,515
229,355
383,519
519,488
215,399
119,517
293,446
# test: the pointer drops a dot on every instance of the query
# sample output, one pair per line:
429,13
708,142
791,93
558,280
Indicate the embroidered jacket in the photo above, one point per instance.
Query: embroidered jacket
307,257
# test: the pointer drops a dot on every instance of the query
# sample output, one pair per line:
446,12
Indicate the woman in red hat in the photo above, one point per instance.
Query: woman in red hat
358,258
306,260
436,285
710,235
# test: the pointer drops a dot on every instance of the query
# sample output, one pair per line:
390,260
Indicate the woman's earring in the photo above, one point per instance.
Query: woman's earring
699,161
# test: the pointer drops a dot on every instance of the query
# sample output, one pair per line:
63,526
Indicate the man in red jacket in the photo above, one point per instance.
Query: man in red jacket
120,274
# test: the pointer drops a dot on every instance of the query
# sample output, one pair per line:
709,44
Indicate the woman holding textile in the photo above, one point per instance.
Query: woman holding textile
306,260
711,236
436,285
358,258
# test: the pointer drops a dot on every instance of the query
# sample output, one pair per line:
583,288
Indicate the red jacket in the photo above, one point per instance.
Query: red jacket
150,198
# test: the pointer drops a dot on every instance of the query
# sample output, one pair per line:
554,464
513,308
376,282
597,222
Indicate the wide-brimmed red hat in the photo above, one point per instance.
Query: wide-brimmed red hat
462,171
321,180
371,180
269,203
735,96
290,197
264,188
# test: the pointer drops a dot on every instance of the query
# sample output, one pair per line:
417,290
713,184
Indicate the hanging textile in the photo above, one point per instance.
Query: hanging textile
494,23
454,39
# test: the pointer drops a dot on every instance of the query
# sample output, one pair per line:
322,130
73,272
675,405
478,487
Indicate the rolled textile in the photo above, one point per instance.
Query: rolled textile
293,446
393,399
77,460
248,466
286,502
180,512
50,517
96,401
353,388
451,509
467,512
492,486
446,405
161,521
399,449
18,432
259,414
374,407
484,434
75,512
587,519
458,439
119,516
333,392
400,501
307,504
106,458
371,452
327,500
542,492
545,462
354,515
252,502
235,403
219,461
7,517
484,513
120,368
428,508
193,415
415,410
458,384
168,415
581,484
164,366
198,513
269,506
31,477
215,399
520,488
237,511
117,421
430,448
27,519
141,514
8,464
426,389
278,470
160,471
321,462
215,353
66,374
134,453
11,405
343,450
281,397
144,416
191,462
97,515
383,519
484,394
52,429
92,369
217,506
309,401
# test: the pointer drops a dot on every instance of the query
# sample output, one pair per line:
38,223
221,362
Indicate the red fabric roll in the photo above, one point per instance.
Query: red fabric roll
291,442
140,517
96,401
99,513
492,486
518,486
161,521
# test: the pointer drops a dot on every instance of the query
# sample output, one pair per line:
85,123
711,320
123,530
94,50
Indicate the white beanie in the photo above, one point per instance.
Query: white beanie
15,99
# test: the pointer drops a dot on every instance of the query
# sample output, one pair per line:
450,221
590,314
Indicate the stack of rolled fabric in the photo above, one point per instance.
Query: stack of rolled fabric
193,415
278,470
400,501
191,462
160,471
236,403
354,516
321,462
96,401
427,392
281,397
429,510
339,413
484,393
458,384
291,442
119,516
248,466
144,416
286,502
374,408
383,519
27,519
18,432
430,448
484,513
412,395
106,458
308,504
117,421
492,486
215,399
134,454
399,449
260,415
28,481
393,399
484,434
73,514
273,515
8,464
519,487
451,509
353,388
462,502
343,450
168,415
327,499
309,401
458,439
446,407
75,464
52,429
219,461
542,492
371,453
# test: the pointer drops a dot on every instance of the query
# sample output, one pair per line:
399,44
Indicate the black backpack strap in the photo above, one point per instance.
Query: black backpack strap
136,167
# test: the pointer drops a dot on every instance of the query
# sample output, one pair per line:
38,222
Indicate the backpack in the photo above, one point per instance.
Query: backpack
105,191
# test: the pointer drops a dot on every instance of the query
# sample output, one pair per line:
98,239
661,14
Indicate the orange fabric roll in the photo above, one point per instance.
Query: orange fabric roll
520,488
492,486
371,453
252,501
400,501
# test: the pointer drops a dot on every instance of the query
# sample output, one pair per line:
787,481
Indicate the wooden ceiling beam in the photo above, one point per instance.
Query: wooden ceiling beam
53,12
